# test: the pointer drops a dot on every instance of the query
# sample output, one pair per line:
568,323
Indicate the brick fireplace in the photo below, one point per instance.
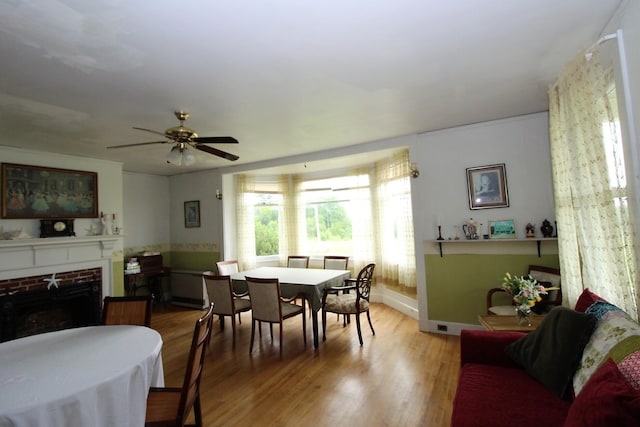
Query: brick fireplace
83,273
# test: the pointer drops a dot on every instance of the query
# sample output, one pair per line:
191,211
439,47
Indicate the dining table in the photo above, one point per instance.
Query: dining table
90,376
306,282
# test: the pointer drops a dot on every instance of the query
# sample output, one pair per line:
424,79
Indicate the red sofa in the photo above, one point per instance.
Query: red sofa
495,391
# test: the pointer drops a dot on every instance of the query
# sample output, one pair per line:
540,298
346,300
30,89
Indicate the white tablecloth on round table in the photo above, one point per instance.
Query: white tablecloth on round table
93,376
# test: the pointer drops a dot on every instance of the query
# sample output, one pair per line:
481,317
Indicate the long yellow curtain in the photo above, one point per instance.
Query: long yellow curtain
394,224
596,237
245,222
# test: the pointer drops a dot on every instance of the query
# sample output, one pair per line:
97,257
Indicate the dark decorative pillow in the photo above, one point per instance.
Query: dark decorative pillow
586,299
606,400
552,352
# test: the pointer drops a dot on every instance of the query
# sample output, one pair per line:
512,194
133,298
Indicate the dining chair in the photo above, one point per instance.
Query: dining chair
170,406
336,262
349,303
225,301
269,306
297,261
129,310
227,268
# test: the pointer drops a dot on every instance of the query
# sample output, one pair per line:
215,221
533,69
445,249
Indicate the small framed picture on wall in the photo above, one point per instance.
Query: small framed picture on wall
487,187
192,214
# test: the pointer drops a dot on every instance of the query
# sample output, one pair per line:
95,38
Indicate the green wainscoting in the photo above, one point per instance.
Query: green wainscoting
457,283
117,268
199,261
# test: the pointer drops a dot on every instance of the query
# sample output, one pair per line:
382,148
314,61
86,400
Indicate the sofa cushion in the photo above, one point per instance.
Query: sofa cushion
585,299
606,400
617,336
552,352
490,395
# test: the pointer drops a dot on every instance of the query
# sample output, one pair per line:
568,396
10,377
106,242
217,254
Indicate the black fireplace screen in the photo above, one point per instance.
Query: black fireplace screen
34,312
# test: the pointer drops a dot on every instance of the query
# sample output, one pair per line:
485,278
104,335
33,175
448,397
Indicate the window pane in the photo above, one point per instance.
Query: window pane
267,214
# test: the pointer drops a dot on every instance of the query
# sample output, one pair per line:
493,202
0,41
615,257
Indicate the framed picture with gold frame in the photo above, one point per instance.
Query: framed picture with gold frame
42,192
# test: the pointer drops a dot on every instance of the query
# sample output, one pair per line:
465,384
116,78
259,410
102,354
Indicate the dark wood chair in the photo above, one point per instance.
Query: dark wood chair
546,276
298,261
349,303
267,305
170,406
225,301
131,310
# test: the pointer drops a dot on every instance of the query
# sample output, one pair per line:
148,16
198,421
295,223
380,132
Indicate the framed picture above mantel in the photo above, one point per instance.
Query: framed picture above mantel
42,192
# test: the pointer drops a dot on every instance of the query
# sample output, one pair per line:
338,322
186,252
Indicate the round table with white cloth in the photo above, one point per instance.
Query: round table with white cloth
92,376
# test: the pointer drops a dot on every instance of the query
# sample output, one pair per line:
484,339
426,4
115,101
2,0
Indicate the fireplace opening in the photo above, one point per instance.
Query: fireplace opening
25,313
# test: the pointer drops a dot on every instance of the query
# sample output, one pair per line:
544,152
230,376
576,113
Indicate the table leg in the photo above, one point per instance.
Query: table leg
314,321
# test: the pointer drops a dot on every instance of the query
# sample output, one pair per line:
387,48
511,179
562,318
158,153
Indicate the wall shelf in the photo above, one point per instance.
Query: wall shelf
538,241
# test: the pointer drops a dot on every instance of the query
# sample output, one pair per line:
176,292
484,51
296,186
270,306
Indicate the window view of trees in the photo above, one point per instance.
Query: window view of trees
328,221
266,223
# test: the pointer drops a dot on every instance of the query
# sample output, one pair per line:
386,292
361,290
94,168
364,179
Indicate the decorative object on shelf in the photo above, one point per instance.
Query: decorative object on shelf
502,229
56,228
487,187
92,230
470,230
546,228
14,234
457,236
192,214
218,194
108,221
530,230
40,192
439,233
525,293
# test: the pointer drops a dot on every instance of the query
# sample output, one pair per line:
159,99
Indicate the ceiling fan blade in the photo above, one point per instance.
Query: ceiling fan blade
215,140
217,152
139,143
149,130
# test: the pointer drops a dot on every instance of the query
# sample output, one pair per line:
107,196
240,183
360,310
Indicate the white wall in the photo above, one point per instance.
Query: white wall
146,219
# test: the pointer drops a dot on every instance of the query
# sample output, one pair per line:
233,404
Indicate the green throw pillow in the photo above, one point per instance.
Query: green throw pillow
552,352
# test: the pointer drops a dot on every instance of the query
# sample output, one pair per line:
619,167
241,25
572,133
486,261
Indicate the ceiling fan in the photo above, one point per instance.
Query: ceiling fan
184,139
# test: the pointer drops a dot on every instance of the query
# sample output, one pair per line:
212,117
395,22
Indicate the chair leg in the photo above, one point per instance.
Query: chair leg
281,343
197,411
233,331
359,331
221,317
271,330
304,326
253,330
370,324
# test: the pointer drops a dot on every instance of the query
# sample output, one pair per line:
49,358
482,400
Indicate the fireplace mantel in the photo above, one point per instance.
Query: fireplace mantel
29,257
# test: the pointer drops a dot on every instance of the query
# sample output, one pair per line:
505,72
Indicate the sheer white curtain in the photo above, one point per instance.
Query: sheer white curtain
595,234
394,223
292,225
245,221
364,244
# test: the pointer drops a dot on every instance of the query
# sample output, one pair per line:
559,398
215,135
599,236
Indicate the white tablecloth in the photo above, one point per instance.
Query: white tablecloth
94,376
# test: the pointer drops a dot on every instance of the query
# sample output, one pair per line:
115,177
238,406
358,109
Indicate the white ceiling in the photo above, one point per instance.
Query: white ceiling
284,77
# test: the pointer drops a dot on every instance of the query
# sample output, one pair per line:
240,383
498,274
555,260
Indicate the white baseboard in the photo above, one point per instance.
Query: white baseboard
449,328
402,303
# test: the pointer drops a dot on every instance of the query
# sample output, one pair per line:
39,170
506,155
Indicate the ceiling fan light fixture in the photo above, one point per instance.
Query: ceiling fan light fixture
175,156
188,157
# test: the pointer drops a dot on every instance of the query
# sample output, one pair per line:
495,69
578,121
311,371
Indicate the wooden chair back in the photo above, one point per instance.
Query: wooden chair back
298,261
130,310
265,299
336,262
227,268
220,292
195,363
364,280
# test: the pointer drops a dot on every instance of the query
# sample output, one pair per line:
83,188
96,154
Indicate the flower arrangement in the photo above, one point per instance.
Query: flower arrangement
524,291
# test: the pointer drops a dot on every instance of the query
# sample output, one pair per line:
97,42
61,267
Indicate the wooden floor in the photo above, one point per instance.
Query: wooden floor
400,377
